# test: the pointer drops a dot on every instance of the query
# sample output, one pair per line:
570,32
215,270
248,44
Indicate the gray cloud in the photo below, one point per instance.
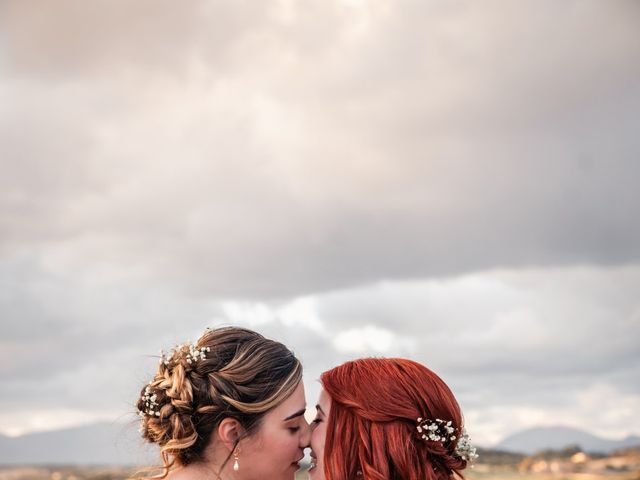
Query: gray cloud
533,344
331,174
108,37
424,140
541,346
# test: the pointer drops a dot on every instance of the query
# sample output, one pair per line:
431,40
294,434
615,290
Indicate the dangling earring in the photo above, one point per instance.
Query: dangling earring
236,466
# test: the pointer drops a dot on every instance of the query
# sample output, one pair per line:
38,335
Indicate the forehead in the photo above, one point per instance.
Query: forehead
324,401
291,405
273,423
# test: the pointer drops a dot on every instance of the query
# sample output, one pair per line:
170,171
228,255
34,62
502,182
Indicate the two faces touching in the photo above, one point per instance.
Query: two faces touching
278,447
231,406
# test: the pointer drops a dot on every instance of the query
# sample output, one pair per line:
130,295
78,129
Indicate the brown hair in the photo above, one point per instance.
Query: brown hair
243,376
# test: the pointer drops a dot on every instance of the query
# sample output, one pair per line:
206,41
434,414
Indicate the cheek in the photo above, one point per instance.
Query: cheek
281,448
317,439
273,457
285,445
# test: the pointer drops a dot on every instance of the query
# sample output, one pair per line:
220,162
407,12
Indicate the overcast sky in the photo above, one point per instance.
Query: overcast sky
456,182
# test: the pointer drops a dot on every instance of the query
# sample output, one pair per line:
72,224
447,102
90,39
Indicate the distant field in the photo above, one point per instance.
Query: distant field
559,476
113,473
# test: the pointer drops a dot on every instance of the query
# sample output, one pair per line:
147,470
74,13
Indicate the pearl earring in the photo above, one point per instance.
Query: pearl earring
236,465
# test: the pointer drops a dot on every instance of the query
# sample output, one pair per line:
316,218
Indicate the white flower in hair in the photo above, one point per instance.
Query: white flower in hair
464,449
440,431
196,353
192,356
151,407
166,358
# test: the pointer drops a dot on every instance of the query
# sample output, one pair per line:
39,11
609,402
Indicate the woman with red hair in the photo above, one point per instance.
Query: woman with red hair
387,419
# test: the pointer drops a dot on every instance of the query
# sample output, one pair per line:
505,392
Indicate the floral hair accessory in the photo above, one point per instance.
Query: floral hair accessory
196,354
191,353
445,432
150,405
193,356
464,449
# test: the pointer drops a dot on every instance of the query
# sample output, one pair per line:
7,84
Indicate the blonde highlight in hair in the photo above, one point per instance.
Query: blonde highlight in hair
243,376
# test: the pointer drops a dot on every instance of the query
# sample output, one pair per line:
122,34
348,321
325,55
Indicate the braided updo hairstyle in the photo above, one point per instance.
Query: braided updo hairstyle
229,372
371,430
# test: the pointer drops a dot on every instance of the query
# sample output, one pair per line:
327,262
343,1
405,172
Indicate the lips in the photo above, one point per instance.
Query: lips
314,462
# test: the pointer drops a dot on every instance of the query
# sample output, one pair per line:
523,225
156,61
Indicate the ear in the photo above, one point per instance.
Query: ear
229,432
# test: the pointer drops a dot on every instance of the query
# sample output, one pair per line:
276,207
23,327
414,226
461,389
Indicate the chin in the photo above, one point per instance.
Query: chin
290,472
314,473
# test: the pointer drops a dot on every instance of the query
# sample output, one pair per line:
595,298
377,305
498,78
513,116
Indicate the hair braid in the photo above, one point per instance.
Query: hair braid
372,422
242,376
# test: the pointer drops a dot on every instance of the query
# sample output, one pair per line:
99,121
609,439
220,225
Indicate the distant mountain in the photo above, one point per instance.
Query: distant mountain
555,438
97,444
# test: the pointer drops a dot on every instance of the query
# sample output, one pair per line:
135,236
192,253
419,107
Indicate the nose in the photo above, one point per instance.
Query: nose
305,435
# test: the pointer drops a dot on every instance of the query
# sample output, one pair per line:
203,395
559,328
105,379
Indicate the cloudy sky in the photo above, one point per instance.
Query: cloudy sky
452,181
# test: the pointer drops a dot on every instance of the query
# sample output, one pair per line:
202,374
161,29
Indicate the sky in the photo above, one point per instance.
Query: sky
449,181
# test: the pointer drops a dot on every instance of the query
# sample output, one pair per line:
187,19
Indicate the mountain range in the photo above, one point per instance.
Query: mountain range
95,444
120,444
555,438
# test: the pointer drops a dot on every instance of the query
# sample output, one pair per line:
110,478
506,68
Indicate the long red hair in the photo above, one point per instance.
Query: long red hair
371,430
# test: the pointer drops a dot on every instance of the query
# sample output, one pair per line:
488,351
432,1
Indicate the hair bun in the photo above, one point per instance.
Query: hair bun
193,389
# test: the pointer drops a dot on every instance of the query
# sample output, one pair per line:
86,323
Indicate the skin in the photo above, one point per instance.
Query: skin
318,435
272,453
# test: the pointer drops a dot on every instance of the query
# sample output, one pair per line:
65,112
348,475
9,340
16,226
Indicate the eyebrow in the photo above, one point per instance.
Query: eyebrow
318,407
297,414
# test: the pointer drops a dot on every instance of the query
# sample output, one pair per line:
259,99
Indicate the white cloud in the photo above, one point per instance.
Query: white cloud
518,347
300,312
364,340
41,420
599,409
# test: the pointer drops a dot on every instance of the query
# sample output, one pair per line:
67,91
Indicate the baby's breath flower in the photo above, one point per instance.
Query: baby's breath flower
440,431
188,351
150,406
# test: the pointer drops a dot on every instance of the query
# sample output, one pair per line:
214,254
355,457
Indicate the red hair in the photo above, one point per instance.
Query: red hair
375,403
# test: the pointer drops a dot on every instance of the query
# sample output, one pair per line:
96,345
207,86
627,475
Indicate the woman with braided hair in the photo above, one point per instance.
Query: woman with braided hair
387,419
229,406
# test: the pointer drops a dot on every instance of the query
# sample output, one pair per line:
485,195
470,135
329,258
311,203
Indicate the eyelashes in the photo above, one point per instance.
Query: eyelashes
314,423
